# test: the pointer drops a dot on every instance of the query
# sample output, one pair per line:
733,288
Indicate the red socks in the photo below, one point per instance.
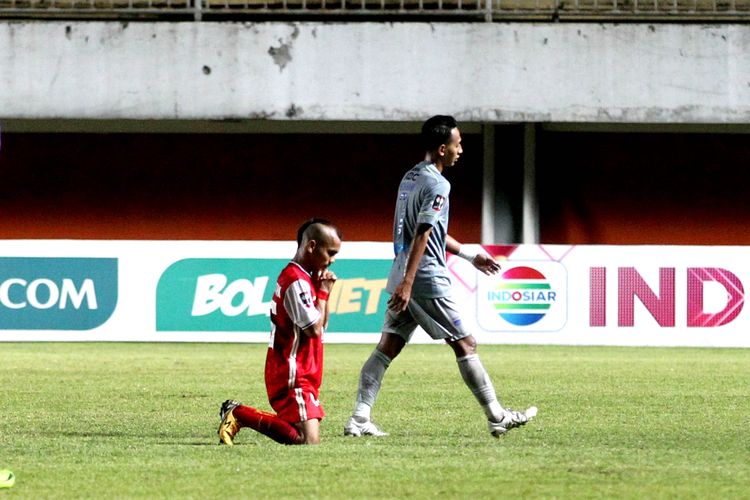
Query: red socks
267,424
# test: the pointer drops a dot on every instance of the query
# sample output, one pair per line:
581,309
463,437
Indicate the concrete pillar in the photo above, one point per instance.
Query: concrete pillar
530,205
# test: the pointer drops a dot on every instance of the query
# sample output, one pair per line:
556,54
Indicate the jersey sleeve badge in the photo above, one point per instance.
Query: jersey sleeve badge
437,204
306,298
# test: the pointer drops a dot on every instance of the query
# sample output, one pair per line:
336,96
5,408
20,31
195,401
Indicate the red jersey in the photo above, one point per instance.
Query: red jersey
294,362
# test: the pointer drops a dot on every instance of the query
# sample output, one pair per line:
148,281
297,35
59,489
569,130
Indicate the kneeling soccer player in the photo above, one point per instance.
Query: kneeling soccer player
294,362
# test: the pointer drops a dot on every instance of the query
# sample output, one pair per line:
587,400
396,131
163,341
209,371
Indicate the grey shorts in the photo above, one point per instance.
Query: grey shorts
438,317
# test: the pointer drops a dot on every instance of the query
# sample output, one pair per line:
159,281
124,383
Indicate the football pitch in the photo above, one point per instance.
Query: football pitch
119,420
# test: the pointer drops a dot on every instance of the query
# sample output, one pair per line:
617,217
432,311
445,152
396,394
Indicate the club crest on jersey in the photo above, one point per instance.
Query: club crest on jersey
437,205
306,299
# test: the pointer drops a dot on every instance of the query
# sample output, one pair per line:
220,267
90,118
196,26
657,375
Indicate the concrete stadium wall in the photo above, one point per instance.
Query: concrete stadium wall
481,72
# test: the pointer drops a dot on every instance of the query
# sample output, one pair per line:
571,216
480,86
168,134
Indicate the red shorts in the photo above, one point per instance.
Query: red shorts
298,405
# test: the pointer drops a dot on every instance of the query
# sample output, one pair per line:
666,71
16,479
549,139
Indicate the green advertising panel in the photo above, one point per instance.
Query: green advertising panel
60,293
358,301
235,295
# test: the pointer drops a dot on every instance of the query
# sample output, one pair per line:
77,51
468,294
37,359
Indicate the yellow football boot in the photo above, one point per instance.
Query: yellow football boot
229,427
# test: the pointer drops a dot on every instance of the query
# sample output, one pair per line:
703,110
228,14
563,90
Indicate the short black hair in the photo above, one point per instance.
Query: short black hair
316,220
436,131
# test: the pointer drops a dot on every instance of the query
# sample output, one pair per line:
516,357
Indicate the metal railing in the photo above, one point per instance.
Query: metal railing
479,10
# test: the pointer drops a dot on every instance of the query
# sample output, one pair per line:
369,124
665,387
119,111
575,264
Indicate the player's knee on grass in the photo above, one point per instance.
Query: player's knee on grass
310,431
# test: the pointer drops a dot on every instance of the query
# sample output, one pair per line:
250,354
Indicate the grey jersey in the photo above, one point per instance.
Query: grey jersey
422,199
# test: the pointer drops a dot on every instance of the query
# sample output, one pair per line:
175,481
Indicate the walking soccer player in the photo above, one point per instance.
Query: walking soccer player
420,285
294,361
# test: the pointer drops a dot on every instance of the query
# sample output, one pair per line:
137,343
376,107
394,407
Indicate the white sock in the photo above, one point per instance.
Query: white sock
370,379
476,378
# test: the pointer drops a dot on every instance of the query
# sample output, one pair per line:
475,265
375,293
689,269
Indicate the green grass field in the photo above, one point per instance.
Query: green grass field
95,420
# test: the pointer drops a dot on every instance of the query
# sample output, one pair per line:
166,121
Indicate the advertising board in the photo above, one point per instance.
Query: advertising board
219,291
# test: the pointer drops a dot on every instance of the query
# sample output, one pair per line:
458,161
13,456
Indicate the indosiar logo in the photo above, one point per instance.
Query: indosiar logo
236,295
39,293
527,296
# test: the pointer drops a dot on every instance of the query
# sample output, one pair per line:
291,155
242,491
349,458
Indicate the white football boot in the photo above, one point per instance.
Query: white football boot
511,420
364,428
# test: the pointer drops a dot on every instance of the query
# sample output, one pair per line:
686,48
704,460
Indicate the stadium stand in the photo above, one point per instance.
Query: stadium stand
487,10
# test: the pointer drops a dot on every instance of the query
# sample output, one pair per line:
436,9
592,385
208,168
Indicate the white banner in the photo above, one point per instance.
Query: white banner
219,291
610,295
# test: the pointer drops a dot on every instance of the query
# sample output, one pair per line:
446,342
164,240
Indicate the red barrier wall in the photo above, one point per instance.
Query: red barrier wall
636,188
212,186
594,188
